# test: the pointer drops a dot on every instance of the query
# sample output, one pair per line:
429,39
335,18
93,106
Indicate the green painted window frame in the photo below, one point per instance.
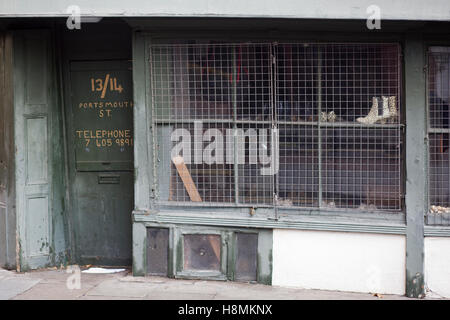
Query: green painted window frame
240,216
273,211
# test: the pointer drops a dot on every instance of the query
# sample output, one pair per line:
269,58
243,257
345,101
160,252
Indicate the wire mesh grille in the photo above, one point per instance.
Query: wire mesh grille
438,131
285,124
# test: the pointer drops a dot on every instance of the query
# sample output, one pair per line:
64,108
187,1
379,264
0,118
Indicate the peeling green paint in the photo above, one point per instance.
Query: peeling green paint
416,285
415,99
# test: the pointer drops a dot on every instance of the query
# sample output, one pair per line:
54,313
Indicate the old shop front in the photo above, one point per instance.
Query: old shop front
285,151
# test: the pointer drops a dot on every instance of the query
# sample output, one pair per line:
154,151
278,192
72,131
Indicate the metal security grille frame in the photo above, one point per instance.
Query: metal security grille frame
289,125
438,136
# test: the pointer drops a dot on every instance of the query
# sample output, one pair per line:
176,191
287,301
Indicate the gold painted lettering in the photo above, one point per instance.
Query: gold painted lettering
99,82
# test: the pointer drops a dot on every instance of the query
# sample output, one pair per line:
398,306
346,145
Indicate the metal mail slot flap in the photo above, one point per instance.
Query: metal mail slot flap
108,179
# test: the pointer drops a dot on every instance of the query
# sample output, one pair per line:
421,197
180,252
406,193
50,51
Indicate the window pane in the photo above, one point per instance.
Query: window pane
211,101
342,102
202,252
247,256
255,157
438,87
157,251
361,168
298,177
438,115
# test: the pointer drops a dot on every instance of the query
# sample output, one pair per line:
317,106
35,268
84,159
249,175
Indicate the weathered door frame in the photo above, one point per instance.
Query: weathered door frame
7,182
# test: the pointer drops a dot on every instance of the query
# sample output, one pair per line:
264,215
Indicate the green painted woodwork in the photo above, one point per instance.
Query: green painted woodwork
100,182
228,250
3,160
436,231
140,249
38,159
7,213
102,112
101,176
143,157
204,218
415,92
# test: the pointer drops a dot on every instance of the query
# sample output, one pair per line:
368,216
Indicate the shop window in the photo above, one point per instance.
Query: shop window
438,133
293,125
157,251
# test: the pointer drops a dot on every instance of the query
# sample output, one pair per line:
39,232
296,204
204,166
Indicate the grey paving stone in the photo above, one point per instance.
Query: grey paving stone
51,284
116,288
85,297
52,291
171,295
11,286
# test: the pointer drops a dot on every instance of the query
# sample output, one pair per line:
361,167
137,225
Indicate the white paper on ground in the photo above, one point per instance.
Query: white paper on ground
102,270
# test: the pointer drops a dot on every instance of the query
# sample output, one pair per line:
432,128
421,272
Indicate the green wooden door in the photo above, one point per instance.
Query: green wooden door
100,141
39,156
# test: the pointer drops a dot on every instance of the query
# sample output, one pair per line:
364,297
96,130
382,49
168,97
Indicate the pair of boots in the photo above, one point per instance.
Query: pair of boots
330,116
388,112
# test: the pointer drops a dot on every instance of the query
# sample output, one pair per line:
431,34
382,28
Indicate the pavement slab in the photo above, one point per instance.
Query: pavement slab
50,291
116,288
51,284
12,284
173,295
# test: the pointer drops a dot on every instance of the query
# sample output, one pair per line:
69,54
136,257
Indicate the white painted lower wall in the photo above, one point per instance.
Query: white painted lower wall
437,265
343,261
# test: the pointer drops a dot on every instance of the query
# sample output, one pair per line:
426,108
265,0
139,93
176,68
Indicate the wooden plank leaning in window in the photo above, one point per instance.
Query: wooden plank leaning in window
186,178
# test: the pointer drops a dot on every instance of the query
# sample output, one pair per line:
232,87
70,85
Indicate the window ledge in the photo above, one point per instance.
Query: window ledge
436,231
300,222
